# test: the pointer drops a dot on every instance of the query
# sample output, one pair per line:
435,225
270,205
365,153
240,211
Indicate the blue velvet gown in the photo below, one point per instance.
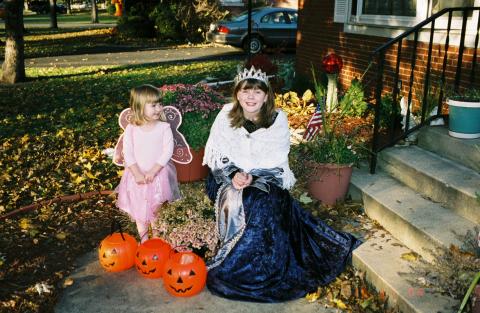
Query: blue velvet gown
283,253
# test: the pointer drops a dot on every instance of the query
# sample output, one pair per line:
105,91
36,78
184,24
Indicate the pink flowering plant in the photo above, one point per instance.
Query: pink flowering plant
190,222
199,105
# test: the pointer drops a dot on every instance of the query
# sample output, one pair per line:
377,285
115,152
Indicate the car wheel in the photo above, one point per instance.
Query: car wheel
256,45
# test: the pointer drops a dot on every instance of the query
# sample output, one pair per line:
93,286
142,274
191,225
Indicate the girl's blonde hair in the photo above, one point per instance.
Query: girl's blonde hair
139,97
237,119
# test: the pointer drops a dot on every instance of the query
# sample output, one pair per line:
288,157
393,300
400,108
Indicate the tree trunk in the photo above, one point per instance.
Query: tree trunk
53,14
14,65
94,12
69,8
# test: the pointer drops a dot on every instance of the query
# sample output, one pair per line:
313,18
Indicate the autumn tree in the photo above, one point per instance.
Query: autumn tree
94,12
14,64
53,14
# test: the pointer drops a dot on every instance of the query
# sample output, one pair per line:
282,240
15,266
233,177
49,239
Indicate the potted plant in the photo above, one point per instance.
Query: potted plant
464,114
327,158
199,105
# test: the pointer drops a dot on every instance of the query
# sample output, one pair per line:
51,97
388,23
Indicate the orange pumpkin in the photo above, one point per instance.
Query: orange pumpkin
185,274
151,257
117,252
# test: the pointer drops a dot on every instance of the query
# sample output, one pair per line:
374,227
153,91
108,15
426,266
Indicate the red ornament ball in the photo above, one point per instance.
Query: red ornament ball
151,257
332,63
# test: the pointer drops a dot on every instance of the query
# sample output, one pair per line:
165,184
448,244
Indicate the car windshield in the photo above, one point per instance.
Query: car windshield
242,17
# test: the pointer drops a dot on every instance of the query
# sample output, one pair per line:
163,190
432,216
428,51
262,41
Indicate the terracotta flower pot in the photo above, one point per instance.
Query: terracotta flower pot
194,170
329,182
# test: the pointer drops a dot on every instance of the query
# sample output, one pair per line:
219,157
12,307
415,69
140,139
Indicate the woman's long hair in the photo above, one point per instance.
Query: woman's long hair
267,111
139,97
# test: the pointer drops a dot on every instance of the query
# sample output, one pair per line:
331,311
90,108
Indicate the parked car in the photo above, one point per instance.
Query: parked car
270,27
43,7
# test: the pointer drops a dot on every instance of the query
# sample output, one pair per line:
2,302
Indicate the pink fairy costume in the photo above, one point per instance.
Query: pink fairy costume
161,145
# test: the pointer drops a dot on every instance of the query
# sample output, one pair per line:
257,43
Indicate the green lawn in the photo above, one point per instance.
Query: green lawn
82,17
49,125
75,35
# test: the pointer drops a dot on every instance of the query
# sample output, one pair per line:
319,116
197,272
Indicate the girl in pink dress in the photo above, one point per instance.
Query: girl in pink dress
150,178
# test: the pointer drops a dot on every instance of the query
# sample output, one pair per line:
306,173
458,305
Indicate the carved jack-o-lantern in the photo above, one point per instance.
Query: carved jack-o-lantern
151,257
185,274
117,253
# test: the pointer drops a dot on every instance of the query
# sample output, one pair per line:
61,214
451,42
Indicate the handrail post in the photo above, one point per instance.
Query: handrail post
378,100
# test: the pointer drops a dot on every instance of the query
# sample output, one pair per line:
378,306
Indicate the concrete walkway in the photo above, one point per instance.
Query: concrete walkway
145,56
95,290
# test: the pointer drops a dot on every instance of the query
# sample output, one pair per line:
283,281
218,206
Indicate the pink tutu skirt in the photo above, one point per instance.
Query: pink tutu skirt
141,201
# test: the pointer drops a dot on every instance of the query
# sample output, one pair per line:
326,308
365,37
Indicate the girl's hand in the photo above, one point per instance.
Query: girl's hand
241,180
139,178
152,173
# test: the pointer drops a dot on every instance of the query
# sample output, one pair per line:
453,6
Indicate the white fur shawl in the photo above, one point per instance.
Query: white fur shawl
263,149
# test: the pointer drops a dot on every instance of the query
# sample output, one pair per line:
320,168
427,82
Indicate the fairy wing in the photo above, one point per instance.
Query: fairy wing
123,120
181,150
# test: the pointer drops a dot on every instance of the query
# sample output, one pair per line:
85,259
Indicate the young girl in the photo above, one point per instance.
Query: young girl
150,178
270,248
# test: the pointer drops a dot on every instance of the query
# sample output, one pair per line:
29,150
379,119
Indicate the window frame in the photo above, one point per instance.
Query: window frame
386,26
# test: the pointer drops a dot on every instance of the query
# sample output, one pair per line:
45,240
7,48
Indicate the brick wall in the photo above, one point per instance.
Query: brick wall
318,35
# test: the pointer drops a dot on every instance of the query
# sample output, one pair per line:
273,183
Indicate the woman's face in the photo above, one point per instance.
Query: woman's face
251,101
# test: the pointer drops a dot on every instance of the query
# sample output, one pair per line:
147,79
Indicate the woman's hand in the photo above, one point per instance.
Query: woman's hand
241,180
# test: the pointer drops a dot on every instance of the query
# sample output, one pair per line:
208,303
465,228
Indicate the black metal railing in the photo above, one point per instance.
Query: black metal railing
389,135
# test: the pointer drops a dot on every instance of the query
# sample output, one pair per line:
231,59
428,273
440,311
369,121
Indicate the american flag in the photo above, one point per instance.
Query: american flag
315,123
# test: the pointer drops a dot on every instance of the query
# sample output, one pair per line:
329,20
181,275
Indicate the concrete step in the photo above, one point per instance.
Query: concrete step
380,257
444,181
420,224
462,151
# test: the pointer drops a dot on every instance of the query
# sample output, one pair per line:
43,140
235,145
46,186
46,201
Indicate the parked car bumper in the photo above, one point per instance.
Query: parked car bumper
229,39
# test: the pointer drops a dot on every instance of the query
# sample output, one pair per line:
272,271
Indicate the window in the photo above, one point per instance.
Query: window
389,7
390,18
293,16
274,18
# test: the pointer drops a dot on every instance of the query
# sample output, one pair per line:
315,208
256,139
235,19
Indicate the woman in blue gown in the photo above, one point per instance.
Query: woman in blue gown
270,248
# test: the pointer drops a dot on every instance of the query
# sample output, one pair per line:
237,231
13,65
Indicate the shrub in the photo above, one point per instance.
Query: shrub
199,105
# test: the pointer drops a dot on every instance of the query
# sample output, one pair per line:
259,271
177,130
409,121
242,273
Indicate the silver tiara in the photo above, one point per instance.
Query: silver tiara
252,73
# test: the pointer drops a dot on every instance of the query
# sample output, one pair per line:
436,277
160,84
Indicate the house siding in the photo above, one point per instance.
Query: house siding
318,35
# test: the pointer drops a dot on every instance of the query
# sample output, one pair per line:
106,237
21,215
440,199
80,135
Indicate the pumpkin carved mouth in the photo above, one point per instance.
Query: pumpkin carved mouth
153,270
180,290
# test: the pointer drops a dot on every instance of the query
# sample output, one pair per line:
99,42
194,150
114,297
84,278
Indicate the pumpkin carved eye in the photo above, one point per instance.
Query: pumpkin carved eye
155,257
192,273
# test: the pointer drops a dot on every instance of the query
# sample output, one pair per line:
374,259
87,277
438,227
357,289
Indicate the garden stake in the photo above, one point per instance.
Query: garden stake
469,292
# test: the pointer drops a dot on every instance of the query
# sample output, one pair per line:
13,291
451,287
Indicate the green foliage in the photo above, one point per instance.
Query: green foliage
467,95
136,26
196,128
389,111
353,101
331,148
184,19
166,25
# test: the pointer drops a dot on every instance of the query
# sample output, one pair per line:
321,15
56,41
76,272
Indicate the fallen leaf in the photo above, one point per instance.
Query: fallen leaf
339,303
305,199
68,282
312,297
61,236
410,256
